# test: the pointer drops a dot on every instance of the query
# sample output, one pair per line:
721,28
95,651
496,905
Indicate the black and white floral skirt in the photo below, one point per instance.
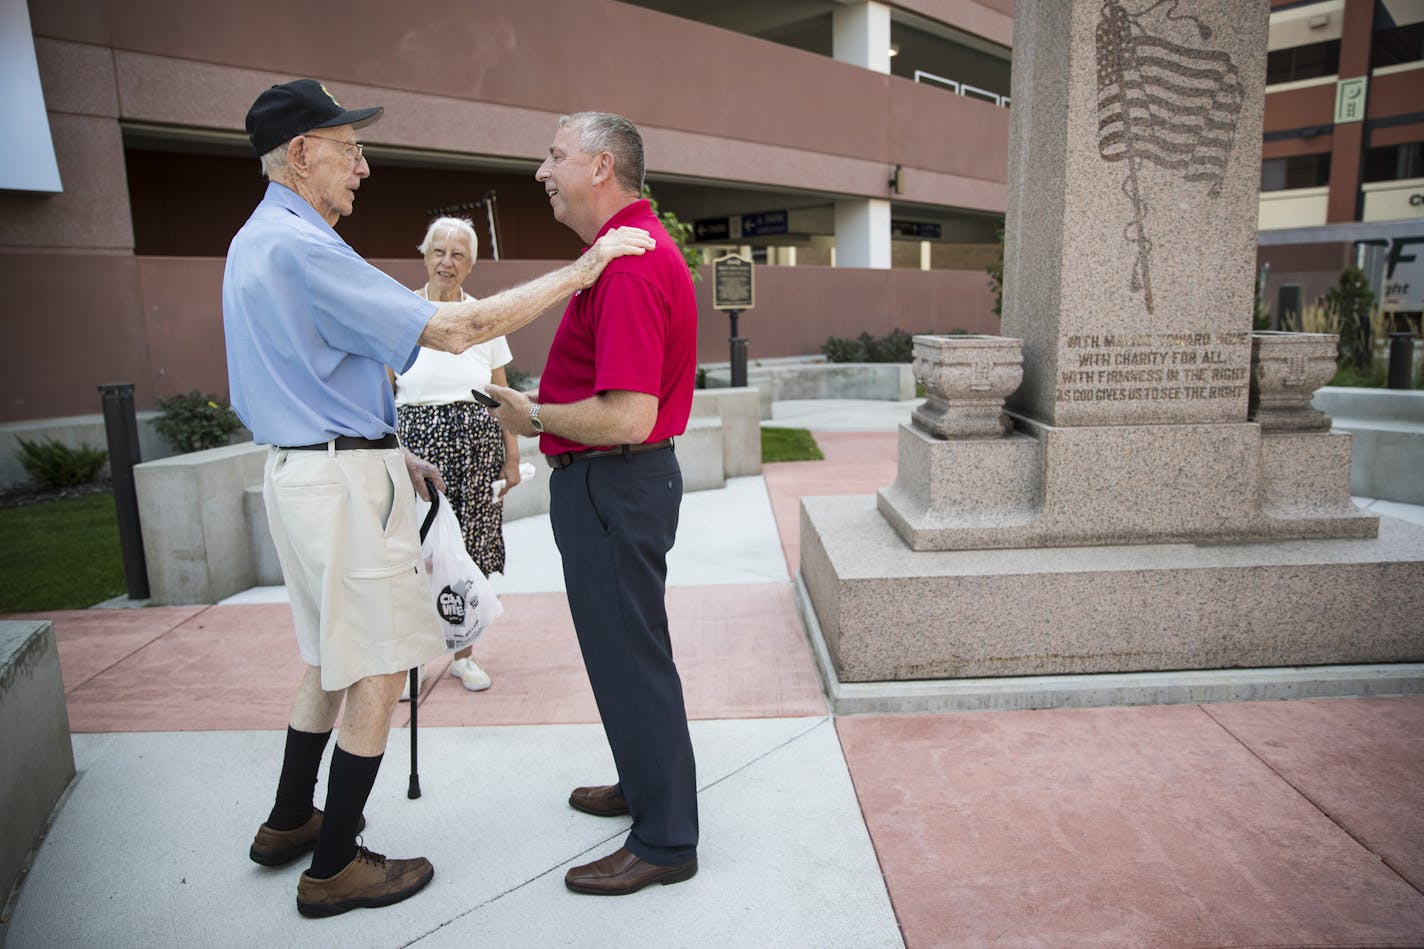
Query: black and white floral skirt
467,445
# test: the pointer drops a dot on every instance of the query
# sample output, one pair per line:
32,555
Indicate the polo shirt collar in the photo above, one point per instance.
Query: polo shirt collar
629,215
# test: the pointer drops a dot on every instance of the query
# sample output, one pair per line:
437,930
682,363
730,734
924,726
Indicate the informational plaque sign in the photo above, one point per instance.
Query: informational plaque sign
732,286
1350,99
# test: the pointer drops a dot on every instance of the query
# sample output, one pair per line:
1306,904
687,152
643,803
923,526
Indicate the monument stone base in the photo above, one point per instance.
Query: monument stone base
1113,484
887,612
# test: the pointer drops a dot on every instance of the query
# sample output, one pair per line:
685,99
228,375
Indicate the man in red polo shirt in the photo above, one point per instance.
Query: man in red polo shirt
616,388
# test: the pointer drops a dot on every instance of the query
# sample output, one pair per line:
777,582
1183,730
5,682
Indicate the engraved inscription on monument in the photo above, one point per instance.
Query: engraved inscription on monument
1155,367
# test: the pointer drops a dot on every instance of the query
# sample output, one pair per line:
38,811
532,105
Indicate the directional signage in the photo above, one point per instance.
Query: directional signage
732,285
767,222
738,226
920,229
712,229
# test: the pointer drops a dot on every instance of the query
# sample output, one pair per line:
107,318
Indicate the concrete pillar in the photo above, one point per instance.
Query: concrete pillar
863,233
861,35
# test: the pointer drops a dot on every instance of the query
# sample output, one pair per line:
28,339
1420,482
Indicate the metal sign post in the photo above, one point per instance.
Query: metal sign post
733,290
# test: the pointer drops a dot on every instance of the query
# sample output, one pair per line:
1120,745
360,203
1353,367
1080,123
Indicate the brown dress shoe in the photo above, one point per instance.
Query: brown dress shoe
623,872
368,880
273,848
603,801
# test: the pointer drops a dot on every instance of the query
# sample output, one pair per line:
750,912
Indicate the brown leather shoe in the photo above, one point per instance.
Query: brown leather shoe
368,880
273,848
603,801
623,872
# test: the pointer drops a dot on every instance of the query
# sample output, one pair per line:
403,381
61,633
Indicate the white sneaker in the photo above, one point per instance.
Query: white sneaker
470,675
405,689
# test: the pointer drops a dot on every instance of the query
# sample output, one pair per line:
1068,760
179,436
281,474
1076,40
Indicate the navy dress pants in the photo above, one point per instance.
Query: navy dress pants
614,520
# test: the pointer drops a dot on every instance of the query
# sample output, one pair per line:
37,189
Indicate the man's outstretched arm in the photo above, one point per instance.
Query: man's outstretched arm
457,327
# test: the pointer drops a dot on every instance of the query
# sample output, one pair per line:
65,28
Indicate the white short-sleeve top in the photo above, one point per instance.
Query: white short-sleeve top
437,377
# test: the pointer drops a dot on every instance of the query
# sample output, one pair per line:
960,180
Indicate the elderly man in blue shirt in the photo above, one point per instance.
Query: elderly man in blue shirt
310,328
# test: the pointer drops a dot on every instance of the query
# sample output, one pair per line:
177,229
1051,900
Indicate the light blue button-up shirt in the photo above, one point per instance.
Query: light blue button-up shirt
311,327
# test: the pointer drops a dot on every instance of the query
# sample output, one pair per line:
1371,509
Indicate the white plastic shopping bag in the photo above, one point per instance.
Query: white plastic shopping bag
464,598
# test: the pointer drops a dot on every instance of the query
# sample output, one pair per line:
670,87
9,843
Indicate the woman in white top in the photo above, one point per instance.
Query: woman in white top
438,420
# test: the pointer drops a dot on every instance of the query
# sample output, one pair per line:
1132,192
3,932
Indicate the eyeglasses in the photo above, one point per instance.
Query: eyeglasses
346,146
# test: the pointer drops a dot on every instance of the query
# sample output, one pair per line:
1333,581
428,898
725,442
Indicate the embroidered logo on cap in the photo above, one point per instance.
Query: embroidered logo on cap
330,96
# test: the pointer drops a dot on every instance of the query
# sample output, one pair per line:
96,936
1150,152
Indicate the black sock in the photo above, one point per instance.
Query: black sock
300,763
347,787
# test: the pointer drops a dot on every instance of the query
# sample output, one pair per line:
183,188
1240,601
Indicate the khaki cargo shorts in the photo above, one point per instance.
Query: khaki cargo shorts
345,530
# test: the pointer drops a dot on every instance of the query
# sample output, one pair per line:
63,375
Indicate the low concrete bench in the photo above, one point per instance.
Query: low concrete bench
36,757
737,414
205,533
782,382
197,522
1387,425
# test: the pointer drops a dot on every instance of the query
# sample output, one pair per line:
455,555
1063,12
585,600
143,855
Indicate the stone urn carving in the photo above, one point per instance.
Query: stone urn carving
1286,369
966,380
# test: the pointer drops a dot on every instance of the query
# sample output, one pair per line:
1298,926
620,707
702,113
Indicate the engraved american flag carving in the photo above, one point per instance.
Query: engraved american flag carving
1162,103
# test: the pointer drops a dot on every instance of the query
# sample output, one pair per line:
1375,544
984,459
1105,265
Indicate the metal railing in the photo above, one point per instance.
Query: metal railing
962,88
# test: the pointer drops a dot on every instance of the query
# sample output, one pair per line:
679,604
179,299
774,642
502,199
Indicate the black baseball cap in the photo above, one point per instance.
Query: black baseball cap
292,108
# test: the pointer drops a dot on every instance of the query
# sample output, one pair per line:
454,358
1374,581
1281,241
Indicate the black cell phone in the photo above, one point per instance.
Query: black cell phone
483,399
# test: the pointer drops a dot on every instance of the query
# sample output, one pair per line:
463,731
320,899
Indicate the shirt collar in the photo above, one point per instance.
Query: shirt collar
284,197
629,214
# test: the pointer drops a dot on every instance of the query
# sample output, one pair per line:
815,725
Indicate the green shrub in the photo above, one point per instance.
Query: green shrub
1351,300
682,234
895,346
195,421
845,350
53,464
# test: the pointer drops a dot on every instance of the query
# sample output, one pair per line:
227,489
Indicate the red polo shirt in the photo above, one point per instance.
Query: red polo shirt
634,329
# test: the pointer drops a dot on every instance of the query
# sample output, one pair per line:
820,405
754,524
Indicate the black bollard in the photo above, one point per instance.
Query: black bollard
738,353
739,361
121,426
1401,359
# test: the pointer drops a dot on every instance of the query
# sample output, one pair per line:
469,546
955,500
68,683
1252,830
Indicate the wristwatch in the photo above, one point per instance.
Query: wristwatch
534,418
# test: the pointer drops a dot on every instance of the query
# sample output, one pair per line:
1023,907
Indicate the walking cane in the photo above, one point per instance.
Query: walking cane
413,791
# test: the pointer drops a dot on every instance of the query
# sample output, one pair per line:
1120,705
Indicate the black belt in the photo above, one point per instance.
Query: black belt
349,443
564,459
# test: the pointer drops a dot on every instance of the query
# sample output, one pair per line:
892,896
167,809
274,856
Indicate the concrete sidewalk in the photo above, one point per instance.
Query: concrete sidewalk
1263,824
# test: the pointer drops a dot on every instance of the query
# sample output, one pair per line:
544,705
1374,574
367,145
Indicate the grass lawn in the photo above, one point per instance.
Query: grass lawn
788,444
60,555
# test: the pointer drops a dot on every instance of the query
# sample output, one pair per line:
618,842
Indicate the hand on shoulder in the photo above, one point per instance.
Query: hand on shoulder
619,242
